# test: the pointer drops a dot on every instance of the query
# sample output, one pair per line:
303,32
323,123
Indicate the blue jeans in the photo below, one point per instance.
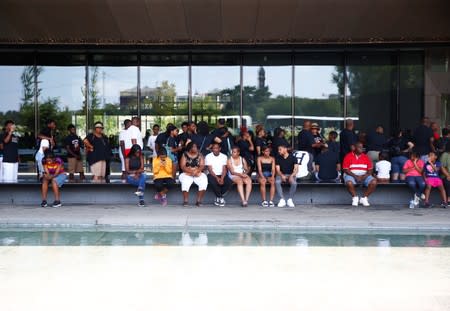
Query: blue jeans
140,182
416,184
397,164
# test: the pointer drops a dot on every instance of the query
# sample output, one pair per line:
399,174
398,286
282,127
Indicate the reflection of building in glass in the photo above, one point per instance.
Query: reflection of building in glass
127,97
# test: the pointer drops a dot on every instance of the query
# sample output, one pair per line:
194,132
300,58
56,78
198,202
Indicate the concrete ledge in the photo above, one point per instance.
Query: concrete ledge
117,192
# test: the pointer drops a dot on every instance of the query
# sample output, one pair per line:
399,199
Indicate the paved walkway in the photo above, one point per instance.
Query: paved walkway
302,217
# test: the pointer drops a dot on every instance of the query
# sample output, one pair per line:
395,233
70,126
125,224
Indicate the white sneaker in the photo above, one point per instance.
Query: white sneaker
416,200
422,196
290,203
282,203
355,201
364,201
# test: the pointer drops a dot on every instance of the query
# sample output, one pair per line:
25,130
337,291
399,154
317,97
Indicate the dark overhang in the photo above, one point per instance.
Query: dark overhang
223,22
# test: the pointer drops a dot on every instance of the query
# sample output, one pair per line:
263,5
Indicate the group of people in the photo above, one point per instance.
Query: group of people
216,159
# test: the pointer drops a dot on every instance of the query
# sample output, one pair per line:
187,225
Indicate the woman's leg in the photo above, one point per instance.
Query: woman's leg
272,189
202,183
427,192
262,187
240,187
442,193
411,181
248,188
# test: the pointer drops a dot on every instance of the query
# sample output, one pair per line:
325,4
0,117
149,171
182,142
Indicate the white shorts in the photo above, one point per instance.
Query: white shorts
9,172
186,182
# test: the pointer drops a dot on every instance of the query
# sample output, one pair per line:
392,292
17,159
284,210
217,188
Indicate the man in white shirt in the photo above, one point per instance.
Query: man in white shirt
123,140
152,140
134,135
218,179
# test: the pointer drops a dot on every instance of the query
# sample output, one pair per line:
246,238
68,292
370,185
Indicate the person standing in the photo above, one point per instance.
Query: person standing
247,148
49,133
376,142
73,146
134,135
424,139
124,144
152,140
40,155
286,169
192,164
358,169
10,141
98,152
134,165
260,140
348,138
399,148
216,163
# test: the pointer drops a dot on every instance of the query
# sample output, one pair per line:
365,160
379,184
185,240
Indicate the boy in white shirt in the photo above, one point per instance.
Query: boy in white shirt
383,168
216,163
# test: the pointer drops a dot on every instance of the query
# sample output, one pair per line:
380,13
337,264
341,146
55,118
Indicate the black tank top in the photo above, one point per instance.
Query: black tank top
266,167
134,163
192,162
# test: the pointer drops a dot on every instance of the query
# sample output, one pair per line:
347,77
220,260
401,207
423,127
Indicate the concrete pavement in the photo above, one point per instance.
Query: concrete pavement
320,217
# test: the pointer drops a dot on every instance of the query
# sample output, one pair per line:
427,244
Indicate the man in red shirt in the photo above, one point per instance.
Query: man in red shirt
358,169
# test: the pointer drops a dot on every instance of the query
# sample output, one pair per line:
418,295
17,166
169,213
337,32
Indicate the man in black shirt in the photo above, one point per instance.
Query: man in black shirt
376,141
73,145
348,137
424,139
49,133
10,164
306,138
286,169
328,167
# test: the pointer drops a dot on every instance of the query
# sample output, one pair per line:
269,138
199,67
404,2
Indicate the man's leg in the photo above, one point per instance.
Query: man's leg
278,182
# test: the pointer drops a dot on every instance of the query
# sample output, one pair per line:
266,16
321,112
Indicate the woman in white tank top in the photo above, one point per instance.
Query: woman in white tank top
237,168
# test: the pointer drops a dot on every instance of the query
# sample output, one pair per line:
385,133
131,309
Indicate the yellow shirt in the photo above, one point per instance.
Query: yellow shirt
160,171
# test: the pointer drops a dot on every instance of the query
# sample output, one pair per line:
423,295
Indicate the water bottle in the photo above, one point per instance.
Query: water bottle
411,204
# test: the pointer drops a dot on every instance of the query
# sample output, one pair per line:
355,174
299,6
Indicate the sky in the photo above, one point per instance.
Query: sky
66,82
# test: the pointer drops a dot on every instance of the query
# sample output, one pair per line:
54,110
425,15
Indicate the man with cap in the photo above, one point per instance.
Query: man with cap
73,145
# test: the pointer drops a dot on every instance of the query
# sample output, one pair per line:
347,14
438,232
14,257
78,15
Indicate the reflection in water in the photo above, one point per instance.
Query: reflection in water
216,238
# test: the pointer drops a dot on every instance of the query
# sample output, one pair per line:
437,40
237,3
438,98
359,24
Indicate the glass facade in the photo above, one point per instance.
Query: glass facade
272,89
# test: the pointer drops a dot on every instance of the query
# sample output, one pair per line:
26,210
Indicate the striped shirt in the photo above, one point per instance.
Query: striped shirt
357,164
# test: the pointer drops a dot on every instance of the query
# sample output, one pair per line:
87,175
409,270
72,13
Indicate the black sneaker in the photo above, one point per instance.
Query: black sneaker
44,203
141,203
217,201
444,205
185,204
57,204
199,204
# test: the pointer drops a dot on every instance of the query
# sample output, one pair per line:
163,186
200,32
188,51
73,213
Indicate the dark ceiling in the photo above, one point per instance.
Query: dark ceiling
202,22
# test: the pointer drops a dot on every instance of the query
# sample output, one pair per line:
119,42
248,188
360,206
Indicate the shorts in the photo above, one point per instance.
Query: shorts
74,165
434,182
99,169
366,182
60,179
267,174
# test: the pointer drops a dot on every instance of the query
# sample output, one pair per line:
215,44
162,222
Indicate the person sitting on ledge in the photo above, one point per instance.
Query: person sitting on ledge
327,166
162,175
134,167
431,173
216,163
237,171
53,173
358,169
192,164
266,175
286,168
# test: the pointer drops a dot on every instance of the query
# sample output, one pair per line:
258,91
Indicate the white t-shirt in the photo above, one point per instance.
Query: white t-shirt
216,162
151,144
134,132
383,169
